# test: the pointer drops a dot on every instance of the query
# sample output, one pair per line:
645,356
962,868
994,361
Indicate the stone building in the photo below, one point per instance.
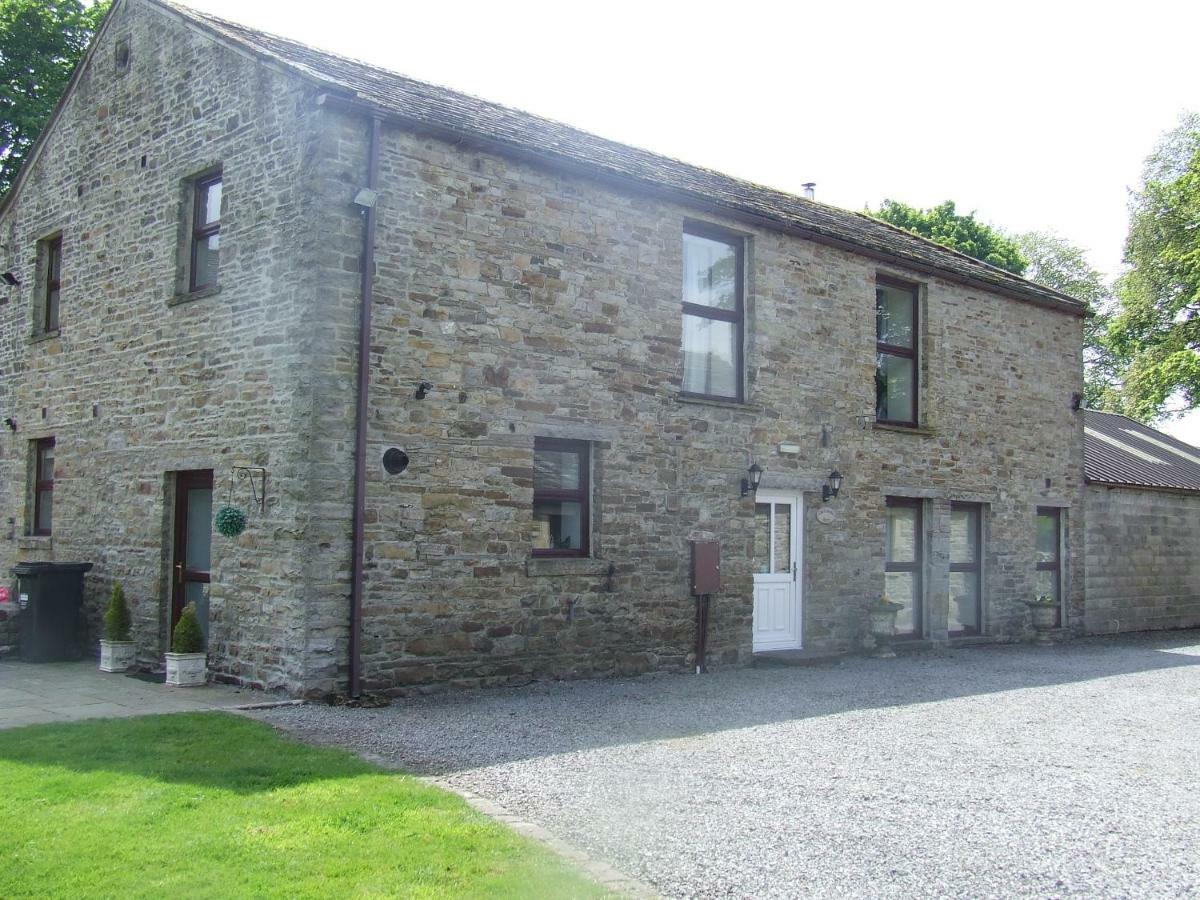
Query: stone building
575,350
1143,527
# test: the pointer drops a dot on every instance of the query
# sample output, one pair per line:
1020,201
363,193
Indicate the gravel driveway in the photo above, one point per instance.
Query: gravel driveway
982,772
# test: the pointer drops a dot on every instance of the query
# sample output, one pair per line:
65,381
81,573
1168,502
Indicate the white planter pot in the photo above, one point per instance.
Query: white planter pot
187,669
117,656
883,626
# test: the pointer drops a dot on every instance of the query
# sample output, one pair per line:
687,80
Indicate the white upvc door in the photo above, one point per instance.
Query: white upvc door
778,571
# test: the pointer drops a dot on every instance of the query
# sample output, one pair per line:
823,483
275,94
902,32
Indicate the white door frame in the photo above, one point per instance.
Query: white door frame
790,636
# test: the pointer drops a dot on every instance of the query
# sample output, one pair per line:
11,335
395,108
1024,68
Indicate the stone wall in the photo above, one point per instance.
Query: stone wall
537,304
1142,569
137,384
541,304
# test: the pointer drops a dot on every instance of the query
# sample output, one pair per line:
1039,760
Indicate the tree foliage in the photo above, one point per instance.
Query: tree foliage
1155,333
41,41
1057,263
964,233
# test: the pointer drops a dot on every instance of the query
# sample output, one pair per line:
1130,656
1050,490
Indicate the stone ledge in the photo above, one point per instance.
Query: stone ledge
39,336
537,567
905,429
182,298
717,402
35,542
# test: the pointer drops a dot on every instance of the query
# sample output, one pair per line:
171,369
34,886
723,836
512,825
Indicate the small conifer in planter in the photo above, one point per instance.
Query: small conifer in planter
187,663
117,651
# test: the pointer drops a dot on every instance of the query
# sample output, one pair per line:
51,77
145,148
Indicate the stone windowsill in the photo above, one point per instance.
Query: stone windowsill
906,429
39,336
35,542
550,566
716,401
184,297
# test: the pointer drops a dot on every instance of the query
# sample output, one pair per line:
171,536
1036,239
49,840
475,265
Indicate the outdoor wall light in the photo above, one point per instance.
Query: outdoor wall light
10,279
423,390
10,423
751,483
832,485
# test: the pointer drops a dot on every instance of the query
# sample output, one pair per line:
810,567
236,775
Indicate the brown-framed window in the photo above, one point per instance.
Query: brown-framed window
206,233
966,568
1048,574
561,497
713,312
52,284
897,325
903,563
43,485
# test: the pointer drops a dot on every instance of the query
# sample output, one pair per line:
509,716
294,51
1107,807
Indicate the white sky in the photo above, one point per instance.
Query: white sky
1037,115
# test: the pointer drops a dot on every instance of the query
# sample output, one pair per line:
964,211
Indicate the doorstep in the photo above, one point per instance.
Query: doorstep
771,658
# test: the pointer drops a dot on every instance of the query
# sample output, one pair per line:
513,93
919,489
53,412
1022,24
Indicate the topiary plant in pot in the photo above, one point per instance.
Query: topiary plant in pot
187,663
117,651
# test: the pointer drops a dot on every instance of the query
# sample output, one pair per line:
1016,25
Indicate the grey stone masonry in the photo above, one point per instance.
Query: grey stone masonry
140,382
1143,571
538,302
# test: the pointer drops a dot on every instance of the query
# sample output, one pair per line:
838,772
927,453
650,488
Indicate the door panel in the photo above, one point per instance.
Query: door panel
777,613
191,556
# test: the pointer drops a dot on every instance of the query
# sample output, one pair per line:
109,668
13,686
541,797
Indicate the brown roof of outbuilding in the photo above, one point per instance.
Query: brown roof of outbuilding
442,109
1121,451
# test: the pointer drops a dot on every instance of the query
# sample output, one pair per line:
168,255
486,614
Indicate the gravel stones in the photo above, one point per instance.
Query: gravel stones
991,771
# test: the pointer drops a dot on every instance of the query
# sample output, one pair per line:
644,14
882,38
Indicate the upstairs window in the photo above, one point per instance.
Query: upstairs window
896,330
43,485
561,497
206,233
51,284
712,314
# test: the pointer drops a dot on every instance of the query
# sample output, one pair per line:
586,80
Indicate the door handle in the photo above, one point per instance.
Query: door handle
793,570
179,573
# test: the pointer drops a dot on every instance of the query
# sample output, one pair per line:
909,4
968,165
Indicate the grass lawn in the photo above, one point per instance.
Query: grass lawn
215,805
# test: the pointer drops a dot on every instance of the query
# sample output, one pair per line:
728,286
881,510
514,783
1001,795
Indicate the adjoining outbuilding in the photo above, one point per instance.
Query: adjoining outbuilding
1142,507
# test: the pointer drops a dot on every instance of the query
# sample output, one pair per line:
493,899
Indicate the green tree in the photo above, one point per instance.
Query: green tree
1057,263
1155,333
964,233
41,41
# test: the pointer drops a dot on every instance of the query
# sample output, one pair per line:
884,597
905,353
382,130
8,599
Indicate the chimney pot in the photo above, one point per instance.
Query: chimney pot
810,190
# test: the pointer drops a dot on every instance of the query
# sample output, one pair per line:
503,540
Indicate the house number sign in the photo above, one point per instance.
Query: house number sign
825,515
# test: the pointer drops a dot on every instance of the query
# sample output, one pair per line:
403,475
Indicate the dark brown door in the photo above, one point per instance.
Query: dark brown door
193,544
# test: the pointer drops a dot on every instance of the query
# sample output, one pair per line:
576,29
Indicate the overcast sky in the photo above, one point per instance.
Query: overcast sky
1036,115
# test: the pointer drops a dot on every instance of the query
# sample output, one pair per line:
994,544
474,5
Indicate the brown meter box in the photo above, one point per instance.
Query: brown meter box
706,567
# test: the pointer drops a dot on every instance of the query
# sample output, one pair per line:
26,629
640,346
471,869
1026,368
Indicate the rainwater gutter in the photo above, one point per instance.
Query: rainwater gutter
361,411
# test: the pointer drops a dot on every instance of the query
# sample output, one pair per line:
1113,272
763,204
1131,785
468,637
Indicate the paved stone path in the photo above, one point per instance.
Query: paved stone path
35,693
984,772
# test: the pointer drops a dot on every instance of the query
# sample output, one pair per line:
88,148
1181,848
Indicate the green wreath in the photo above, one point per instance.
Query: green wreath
231,521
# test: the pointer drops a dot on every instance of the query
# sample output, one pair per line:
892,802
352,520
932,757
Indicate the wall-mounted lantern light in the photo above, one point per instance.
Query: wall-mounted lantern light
10,279
832,485
751,483
423,390
10,423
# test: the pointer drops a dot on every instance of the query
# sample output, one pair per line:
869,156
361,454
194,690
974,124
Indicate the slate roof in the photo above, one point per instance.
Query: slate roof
440,108
1118,450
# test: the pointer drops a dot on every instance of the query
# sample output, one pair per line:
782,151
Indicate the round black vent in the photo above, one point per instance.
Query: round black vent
395,460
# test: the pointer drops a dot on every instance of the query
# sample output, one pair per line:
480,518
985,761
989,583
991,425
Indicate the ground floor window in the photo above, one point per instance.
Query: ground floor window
903,563
966,569
561,492
1048,577
43,486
